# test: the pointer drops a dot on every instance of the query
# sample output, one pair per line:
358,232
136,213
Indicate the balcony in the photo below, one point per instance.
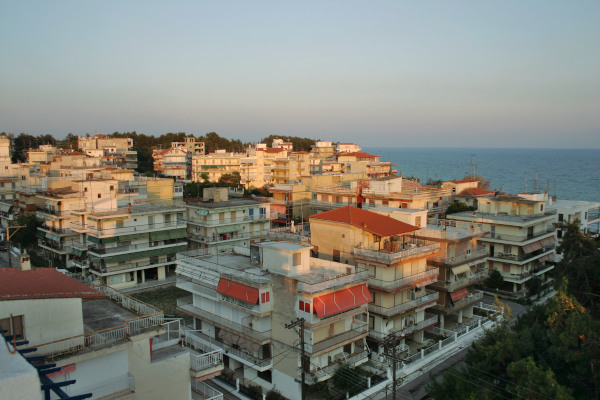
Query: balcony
430,319
463,259
202,268
186,305
470,280
430,297
92,230
53,211
228,221
358,331
321,373
325,205
219,239
406,282
332,278
132,248
389,257
461,303
127,266
517,238
523,258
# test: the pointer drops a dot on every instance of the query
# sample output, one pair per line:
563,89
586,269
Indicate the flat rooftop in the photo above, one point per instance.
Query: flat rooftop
224,204
103,314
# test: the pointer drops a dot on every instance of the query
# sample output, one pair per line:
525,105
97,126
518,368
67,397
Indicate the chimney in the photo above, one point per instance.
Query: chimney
25,261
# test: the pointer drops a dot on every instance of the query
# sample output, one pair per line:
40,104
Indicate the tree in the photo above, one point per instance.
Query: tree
534,285
347,379
532,382
25,237
232,179
457,207
495,280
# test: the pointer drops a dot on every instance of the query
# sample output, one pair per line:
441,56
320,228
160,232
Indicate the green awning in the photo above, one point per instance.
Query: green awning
76,251
123,257
134,236
228,228
160,235
40,234
93,239
167,250
178,233
202,212
110,219
53,237
109,239
150,253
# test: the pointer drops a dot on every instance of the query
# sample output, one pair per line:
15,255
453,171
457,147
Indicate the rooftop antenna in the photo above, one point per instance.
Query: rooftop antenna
525,181
472,165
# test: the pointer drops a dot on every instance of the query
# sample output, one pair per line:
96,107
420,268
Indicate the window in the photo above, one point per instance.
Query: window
265,297
418,221
14,326
304,306
560,218
99,196
336,255
85,189
297,259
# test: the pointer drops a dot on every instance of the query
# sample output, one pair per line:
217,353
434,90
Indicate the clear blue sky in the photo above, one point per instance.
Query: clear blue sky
435,73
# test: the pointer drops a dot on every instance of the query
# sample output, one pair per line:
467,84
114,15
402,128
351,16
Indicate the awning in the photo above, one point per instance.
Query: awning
341,301
459,294
178,233
160,235
547,241
134,236
202,212
228,228
109,239
77,252
53,237
531,247
40,234
460,269
245,293
546,258
93,239
5,207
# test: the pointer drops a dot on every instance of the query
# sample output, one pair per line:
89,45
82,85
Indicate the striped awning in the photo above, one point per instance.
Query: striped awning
531,247
341,301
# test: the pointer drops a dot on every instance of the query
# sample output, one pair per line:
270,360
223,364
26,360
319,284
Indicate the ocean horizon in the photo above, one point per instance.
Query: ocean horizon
568,174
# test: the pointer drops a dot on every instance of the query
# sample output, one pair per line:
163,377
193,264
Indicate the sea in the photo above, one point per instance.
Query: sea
568,174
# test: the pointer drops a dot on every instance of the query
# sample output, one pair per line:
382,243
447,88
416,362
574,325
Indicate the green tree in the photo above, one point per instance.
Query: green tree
25,237
347,379
457,207
529,381
495,280
534,285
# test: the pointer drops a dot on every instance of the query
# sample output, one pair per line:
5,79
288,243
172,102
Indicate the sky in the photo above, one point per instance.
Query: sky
378,73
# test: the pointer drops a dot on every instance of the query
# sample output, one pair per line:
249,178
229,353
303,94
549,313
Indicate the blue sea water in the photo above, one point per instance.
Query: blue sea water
570,174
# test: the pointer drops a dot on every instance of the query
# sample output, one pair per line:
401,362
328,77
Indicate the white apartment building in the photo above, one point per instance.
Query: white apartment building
218,223
215,165
347,148
242,301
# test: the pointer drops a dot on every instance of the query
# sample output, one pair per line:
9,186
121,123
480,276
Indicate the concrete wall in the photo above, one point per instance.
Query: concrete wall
46,320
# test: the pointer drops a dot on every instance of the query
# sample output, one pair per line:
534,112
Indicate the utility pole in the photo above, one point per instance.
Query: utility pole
8,236
300,322
391,345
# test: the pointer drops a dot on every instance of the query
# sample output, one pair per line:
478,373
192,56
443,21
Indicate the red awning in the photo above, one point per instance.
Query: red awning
547,241
245,293
340,301
531,247
459,294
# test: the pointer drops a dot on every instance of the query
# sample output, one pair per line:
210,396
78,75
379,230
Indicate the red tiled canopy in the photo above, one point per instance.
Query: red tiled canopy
459,294
342,300
245,293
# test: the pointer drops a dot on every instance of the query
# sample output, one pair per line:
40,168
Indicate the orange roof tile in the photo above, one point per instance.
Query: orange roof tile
476,192
359,154
41,283
274,150
366,220
464,181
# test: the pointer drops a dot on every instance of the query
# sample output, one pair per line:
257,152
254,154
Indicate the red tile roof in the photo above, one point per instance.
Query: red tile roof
274,150
465,181
358,154
476,192
366,220
41,283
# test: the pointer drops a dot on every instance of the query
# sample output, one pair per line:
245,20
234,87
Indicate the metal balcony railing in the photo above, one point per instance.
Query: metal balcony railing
471,298
319,373
357,330
518,238
524,257
452,286
396,283
462,259
430,319
396,256
93,230
227,221
409,305
132,247
338,277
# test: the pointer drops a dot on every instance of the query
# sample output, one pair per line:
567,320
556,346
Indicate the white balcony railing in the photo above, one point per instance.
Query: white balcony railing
396,283
471,298
462,259
429,320
400,308
451,286
389,257
207,392
334,280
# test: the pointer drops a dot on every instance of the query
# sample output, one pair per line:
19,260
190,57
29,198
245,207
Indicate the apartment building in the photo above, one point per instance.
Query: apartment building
242,301
347,148
219,223
518,234
44,154
191,145
374,167
396,261
97,337
130,245
99,141
461,263
322,150
281,144
6,149
174,162
215,165
291,168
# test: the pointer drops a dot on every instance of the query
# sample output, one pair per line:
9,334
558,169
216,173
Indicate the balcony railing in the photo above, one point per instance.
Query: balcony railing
390,257
452,286
207,392
400,308
188,264
523,257
218,238
396,283
53,211
337,278
150,318
450,233
471,298
518,238
465,258
325,205
227,221
127,265
186,304
357,330
429,320
115,231
132,247
319,373
261,363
